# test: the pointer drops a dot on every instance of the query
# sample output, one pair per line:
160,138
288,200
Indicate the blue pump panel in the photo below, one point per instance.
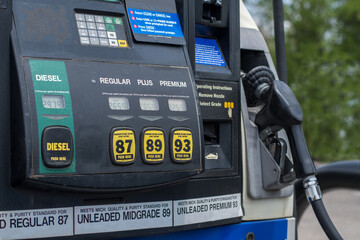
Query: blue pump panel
262,230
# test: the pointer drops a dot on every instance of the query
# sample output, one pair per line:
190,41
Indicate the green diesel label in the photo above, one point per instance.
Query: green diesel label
53,103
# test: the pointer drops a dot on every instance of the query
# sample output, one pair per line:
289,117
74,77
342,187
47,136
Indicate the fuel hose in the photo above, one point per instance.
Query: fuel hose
314,196
312,189
282,110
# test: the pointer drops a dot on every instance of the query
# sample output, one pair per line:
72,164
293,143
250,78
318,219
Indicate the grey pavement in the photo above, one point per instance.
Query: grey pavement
343,207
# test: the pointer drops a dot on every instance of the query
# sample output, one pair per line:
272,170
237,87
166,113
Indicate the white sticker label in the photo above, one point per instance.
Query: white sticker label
56,222
123,217
207,209
39,223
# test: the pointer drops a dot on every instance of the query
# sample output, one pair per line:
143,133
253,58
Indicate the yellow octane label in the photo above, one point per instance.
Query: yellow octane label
154,145
124,146
182,145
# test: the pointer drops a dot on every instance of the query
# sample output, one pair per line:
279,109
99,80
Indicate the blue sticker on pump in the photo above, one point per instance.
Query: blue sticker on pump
155,23
207,52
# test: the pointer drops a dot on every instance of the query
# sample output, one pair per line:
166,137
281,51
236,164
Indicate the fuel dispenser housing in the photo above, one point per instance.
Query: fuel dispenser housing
127,118
87,98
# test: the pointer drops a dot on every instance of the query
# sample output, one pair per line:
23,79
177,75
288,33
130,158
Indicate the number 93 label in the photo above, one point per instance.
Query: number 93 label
123,146
182,146
153,146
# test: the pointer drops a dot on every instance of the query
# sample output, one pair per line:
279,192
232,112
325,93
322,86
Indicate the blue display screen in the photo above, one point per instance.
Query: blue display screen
207,52
155,23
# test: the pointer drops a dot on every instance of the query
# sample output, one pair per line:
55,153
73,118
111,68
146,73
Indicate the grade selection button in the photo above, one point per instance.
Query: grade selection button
122,144
153,145
182,145
57,147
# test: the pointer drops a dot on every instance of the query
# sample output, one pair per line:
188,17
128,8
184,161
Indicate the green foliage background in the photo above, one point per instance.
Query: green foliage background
323,59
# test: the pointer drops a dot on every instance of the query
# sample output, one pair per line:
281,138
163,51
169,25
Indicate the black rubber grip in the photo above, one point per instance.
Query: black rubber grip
253,79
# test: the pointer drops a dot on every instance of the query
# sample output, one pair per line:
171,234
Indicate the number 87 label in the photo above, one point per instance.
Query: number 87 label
123,146
182,146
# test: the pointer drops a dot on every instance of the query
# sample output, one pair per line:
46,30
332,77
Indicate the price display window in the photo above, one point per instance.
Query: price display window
119,103
149,104
177,105
53,101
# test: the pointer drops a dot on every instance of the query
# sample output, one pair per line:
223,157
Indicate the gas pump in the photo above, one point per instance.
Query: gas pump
115,126
144,118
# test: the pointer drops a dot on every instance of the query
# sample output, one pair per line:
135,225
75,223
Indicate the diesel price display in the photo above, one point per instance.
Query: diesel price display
53,101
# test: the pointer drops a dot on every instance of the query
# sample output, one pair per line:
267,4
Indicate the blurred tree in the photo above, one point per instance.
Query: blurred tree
347,39
323,70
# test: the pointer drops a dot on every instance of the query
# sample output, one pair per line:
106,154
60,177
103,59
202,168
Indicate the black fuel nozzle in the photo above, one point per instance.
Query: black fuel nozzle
281,110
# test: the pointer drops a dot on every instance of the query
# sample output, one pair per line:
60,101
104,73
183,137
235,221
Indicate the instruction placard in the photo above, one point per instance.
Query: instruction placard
39,223
207,209
218,100
152,26
122,217
155,23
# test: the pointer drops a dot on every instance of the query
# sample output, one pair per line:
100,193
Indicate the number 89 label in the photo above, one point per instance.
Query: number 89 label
123,146
182,145
153,146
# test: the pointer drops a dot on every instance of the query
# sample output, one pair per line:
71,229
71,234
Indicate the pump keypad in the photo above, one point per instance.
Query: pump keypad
122,142
153,145
181,145
98,30
57,147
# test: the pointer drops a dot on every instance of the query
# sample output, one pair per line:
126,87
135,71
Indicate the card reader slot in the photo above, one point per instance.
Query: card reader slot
217,145
211,133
